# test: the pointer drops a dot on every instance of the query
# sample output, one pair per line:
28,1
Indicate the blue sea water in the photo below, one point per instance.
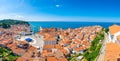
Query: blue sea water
65,25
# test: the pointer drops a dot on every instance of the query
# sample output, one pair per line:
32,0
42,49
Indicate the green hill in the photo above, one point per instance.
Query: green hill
6,23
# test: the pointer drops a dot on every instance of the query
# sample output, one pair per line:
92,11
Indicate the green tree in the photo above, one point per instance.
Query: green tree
4,25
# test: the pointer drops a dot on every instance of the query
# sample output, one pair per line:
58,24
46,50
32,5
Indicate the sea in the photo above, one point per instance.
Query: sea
65,25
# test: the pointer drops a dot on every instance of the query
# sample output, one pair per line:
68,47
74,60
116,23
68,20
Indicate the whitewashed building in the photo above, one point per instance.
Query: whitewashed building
114,33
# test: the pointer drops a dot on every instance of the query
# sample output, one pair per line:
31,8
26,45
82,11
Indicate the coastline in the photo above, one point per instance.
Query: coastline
65,25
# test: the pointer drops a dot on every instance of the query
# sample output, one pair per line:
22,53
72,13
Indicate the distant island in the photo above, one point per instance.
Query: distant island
6,23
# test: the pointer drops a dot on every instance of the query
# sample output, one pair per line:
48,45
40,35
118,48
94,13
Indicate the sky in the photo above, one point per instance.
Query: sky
61,10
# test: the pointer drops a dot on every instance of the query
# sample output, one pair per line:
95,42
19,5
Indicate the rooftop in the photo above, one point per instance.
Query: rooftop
69,40
114,29
112,51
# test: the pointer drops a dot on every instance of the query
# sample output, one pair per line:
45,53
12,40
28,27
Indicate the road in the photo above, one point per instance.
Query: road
102,51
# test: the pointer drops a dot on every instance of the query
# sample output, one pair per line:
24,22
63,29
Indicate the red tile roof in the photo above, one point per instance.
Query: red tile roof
114,29
52,59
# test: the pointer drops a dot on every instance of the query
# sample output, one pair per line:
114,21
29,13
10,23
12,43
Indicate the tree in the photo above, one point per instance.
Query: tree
93,51
4,25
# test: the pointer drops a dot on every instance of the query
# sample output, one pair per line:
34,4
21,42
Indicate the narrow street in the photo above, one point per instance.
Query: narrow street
102,52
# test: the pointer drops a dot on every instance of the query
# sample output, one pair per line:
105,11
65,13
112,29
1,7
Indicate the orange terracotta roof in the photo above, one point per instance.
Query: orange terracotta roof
92,37
72,45
22,42
118,37
58,54
32,48
65,41
77,40
21,59
4,42
64,51
112,51
48,46
51,59
79,49
58,46
84,42
24,59
114,29
46,53
18,51
11,45
63,59
50,39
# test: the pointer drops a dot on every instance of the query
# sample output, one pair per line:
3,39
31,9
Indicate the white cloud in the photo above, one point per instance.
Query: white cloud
56,18
58,5
11,16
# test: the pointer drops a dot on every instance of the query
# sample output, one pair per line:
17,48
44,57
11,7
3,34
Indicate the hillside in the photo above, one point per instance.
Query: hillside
6,23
